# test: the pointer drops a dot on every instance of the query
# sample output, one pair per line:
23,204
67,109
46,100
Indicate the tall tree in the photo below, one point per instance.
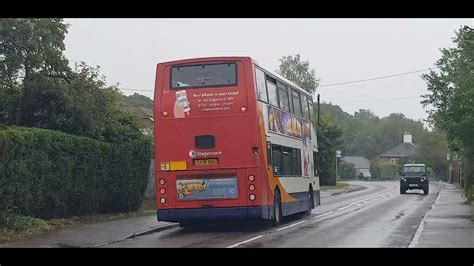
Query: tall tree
452,89
431,150
329,140
30,47
39,89
299,72
451,95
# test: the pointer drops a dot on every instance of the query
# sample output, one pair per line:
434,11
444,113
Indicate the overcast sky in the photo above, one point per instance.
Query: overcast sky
127,50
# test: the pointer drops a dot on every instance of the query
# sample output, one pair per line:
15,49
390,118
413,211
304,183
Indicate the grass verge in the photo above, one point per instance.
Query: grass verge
337,186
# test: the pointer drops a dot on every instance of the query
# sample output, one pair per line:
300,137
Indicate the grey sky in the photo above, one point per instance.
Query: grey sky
339,49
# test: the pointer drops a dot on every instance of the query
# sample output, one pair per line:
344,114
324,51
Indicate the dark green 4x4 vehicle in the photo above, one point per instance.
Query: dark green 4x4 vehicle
414,176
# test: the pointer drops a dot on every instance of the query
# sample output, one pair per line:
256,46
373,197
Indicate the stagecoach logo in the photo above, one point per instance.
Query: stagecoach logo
203,154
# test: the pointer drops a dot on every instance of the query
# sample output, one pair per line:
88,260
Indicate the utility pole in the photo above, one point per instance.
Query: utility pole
338,154
448,171
319,111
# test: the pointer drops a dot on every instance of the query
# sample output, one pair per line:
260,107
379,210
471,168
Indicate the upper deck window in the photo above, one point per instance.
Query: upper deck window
296,103
203,75
272,91
283,97
261,87
305,106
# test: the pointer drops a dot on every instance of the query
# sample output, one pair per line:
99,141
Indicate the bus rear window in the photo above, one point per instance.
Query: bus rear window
204,75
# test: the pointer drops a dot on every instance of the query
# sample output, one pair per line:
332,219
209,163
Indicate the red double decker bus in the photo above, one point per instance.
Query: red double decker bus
233,141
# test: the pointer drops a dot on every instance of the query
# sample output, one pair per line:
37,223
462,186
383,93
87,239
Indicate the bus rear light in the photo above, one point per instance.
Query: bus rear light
162,191
162,181
252,197
162,200
165,114
243,109
251,178
252,187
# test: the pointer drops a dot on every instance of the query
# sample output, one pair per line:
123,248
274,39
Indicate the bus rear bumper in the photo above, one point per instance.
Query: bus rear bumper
233,213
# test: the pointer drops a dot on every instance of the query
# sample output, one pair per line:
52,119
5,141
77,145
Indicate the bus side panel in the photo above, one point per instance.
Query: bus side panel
293,190
273,182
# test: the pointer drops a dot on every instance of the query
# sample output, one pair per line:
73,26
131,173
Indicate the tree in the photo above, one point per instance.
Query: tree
30,47
347,171
138,100
329,140
365,134
431,149
39,89
94,109
452,91
451,96
299,72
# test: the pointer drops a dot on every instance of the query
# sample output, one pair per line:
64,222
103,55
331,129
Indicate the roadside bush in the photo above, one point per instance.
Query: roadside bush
23,223
384,170
347,171
51,174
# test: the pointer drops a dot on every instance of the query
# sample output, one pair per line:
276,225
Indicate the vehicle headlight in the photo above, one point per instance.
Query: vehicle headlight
404,179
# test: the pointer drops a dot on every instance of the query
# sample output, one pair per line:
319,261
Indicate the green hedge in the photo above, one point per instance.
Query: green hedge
50,174
347,171
384,170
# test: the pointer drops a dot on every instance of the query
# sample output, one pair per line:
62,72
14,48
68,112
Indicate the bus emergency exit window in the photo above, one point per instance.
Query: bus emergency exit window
205,142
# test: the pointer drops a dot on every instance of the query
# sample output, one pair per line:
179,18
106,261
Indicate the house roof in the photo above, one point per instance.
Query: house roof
358,161
402,150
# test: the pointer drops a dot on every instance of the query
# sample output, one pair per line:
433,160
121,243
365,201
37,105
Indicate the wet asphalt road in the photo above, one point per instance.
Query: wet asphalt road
377,216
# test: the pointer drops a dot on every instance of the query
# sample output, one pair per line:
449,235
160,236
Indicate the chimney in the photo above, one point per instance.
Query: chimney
407,138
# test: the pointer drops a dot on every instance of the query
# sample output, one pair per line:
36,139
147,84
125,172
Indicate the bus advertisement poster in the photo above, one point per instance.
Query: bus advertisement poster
284,123
211,188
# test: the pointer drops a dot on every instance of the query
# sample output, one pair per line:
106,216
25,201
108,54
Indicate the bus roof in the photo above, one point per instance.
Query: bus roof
414,164
224,58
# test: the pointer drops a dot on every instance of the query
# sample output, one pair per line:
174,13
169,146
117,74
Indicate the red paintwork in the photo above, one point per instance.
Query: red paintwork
235,132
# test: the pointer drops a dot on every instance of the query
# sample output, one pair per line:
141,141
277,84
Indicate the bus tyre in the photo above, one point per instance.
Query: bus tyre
426,190
277,214
402,190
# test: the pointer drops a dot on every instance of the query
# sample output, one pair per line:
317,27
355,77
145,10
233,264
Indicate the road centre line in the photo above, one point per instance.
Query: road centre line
291,225
245,241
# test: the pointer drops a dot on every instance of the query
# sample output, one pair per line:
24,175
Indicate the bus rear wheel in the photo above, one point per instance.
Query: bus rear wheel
277,214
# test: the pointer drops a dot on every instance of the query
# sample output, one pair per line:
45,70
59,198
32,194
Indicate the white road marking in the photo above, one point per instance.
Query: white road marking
291,225
345,207
386,194
246,241
324,214
318,216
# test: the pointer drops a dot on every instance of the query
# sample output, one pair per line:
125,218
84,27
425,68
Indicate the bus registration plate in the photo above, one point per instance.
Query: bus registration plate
205,161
